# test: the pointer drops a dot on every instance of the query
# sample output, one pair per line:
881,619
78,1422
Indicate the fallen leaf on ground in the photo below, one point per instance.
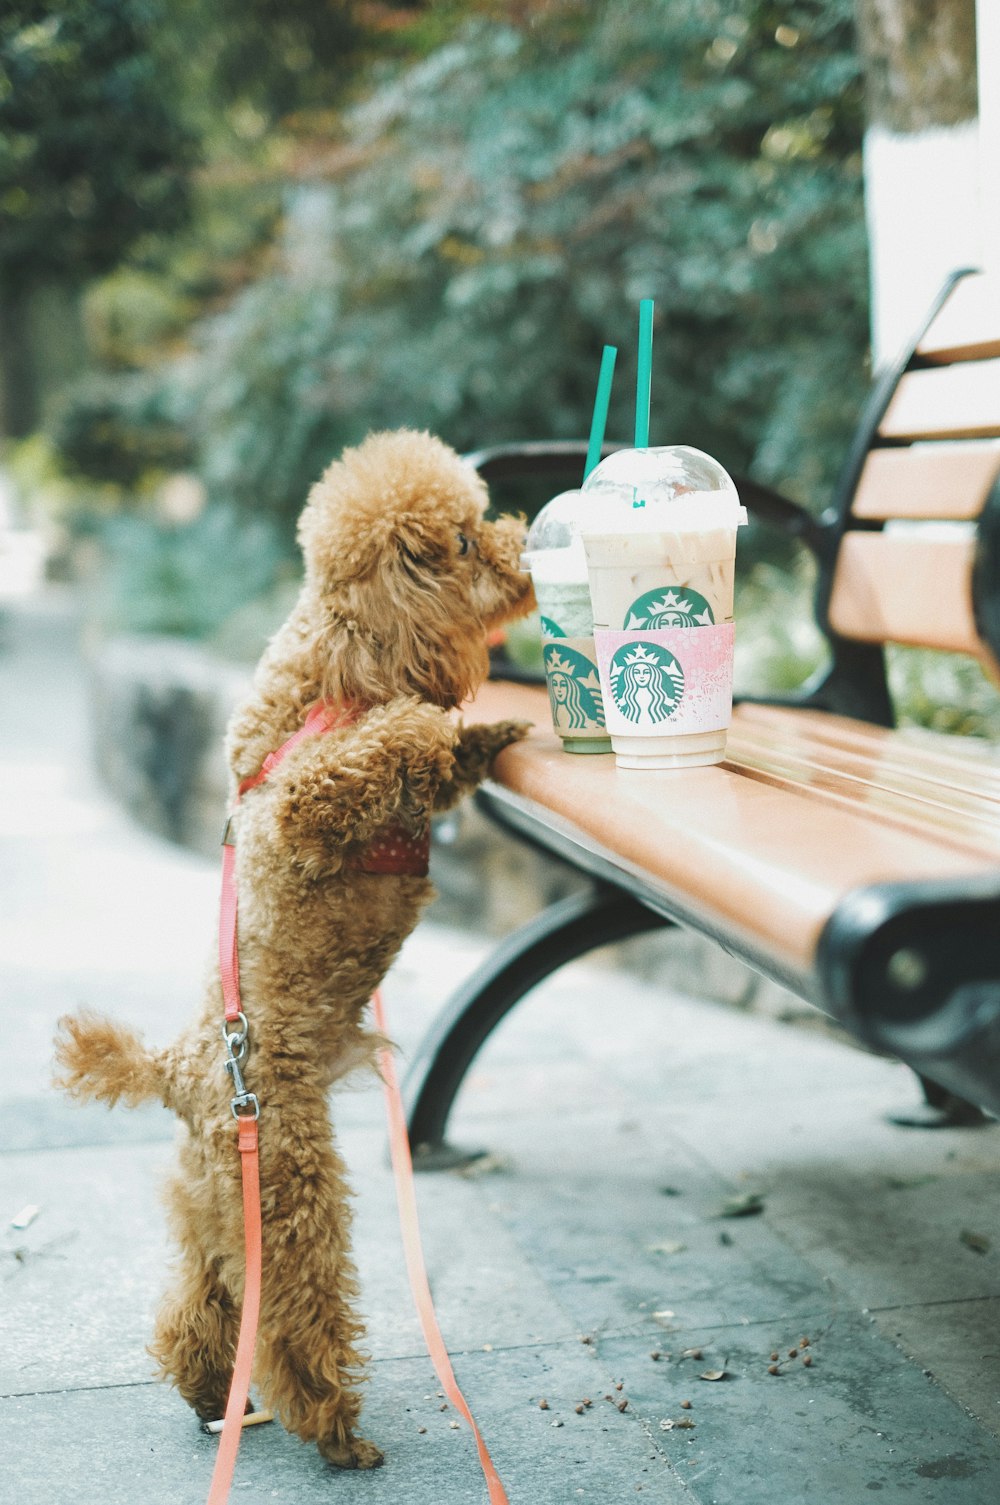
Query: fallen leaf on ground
743,1206
977,1241
713,1374
484,1165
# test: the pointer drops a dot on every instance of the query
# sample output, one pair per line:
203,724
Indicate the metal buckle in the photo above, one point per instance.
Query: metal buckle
244,1104
236,1043
228,834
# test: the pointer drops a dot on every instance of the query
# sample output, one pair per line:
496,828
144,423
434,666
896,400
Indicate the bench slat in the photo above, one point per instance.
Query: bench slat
949,480
908,757
760,865
968,326
900,588
950,402
909,801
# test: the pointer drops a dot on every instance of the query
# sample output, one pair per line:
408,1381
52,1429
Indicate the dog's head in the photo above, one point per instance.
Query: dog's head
404,576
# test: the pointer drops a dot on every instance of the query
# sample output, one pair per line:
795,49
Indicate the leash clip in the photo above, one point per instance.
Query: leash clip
244,1104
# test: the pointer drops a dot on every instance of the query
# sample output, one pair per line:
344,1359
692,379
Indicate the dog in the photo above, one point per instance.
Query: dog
404,578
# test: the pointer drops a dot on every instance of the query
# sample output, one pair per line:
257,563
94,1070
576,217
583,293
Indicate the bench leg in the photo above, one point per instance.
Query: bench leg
940,1109
566,930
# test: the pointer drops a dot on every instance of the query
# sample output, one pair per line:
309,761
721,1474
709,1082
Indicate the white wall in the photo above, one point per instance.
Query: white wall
988,58
923,208
933,201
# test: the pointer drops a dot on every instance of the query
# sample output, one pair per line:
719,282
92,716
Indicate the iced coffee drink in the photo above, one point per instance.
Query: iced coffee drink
659,531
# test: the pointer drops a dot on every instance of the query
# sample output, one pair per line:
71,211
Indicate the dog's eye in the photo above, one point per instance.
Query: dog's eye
463,545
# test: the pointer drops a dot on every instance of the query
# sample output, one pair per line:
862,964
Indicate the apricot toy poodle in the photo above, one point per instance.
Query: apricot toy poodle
403,580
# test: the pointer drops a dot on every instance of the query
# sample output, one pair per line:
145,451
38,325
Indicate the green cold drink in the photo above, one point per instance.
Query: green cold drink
554,555
565,608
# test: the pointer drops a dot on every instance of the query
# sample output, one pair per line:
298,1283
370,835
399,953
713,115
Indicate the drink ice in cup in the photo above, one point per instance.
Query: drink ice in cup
554,554
659,532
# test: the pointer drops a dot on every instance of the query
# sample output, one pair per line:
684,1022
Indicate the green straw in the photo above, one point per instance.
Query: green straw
644,379
600,418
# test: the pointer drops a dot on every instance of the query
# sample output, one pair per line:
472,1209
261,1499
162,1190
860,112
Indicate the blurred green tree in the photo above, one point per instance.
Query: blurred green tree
457,251
274,57
91,157
454,246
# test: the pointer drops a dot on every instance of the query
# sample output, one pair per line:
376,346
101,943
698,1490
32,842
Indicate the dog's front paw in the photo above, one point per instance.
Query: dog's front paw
507,732
481,743
352,1452
475,750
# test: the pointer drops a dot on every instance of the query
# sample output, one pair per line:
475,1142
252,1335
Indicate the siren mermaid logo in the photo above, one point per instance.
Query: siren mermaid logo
669,608
574,689
647,682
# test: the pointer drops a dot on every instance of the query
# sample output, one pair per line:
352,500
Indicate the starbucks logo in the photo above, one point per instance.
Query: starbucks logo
551,629
682,607
574,689
647,682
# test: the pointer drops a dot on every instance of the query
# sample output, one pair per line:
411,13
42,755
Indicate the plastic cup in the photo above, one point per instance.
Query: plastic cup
554,554
659,532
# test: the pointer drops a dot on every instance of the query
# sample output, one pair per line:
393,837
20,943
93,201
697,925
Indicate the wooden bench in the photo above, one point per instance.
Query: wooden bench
855,864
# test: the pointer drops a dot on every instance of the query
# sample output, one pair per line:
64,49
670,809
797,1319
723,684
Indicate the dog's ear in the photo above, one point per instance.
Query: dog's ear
384,502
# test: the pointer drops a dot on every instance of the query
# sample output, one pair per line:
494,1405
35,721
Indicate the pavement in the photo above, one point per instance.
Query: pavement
606,1250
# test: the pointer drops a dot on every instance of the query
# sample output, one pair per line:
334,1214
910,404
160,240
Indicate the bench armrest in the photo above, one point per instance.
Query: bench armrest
561,459
789,517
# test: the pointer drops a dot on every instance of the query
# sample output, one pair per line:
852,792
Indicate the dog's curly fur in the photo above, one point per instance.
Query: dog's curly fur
404,578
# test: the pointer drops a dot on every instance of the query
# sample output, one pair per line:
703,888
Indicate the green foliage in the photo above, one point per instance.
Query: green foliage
132,314
944,692
453,249
254,399
185,580
91,155
116,430
499,209
269,57
778,645
245,632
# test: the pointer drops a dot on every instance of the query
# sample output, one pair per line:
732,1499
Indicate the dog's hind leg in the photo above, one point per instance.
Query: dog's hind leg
197,1326
310,1379
308,1364
195,1340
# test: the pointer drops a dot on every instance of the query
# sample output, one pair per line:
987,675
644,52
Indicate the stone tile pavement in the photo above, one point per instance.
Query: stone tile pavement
620,1121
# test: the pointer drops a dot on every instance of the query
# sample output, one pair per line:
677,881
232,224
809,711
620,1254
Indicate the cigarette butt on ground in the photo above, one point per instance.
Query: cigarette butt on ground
252,1419
26,1216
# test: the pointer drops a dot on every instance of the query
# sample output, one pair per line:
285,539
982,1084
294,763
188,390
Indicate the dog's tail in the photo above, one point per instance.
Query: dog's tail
96,1058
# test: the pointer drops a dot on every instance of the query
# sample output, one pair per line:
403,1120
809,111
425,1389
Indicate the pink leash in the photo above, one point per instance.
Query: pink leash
402,1165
